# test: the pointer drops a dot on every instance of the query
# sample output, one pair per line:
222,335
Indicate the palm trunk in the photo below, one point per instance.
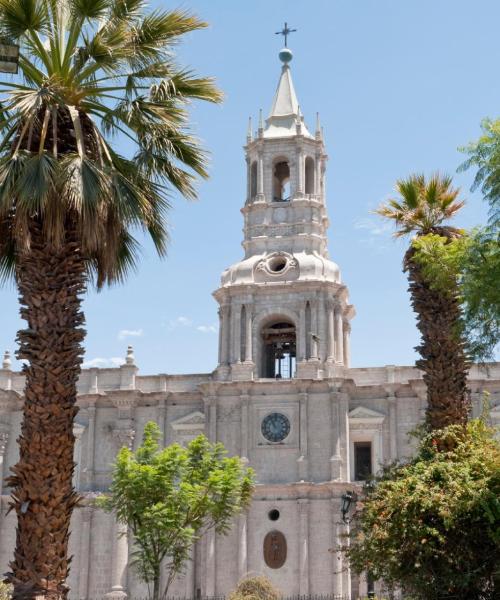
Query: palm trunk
443,360
50,281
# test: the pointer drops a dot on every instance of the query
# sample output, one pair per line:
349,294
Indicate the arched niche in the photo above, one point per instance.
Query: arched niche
278,342
281,180
309,175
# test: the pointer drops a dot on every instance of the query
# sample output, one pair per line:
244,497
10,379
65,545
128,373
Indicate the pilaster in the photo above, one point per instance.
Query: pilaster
304,457
84,565
303,506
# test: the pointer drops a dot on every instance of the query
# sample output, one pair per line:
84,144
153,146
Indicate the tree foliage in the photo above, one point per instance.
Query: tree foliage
473,264
484,154
170,497
432,526
92,71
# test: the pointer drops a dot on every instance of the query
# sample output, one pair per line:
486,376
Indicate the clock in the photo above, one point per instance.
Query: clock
275,427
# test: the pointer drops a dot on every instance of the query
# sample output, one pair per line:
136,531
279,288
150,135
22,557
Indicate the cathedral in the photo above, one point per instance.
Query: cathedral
283,397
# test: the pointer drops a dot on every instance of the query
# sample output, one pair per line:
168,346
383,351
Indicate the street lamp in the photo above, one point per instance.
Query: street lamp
348,498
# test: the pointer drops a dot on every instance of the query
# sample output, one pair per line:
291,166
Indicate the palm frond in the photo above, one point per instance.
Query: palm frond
423,204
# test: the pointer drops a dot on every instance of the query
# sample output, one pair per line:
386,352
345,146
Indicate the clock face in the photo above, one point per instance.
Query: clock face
275,427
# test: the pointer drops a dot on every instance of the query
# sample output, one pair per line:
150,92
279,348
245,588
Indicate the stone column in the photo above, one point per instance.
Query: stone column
189,577
346,571
224,355
260,178
337,543
303,546
93,381
248,331
242,546
89,466
300,172
339,336
119,563
393,425
236,342
344,436
83,580
336,457
219,312
302,332
317,175
245,430
346,343
4,438
211,413
161,418
331,333
303,458
249,177
314,329
210,564
77,454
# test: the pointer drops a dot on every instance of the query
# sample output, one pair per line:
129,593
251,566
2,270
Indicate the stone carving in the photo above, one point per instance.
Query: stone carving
275,549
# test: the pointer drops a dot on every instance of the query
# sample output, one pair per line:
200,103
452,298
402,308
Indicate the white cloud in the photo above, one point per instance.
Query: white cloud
125,333
180,322
103,363
207,328
373,226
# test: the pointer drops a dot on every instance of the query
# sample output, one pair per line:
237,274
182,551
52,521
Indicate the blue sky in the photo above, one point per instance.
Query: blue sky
399,86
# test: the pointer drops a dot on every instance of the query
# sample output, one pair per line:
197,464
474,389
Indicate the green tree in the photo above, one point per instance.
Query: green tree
479,269
432,526
473,264
484,155
70,205
421,209
170,497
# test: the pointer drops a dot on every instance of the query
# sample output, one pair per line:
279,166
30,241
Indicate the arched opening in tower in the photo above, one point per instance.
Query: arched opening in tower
279,350
281,182
309,169
253,180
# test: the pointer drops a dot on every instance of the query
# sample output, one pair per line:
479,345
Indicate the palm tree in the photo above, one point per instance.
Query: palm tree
70,205
422,208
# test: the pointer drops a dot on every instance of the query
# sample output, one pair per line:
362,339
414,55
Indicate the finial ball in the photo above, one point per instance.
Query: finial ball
285,55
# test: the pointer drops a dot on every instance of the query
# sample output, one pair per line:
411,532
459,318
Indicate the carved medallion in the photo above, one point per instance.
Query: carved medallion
275,549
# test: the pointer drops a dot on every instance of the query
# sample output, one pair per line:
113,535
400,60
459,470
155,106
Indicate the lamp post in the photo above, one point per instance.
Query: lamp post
348,499
9,57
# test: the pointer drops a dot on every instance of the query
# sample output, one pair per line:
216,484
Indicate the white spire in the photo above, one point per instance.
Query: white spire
285,101
249,130
285,111
130,358
7,363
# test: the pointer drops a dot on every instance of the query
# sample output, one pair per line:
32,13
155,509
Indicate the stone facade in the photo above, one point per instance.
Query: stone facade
283,359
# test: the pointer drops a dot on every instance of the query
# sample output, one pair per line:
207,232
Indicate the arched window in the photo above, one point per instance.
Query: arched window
281,181
253,180
309,169
279,350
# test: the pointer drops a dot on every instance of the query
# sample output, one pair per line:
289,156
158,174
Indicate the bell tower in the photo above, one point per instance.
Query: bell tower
284,311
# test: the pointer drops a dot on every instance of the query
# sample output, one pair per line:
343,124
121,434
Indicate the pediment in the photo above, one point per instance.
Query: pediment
361,414
194,420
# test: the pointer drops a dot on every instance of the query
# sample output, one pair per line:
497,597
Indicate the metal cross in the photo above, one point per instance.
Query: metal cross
285,33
